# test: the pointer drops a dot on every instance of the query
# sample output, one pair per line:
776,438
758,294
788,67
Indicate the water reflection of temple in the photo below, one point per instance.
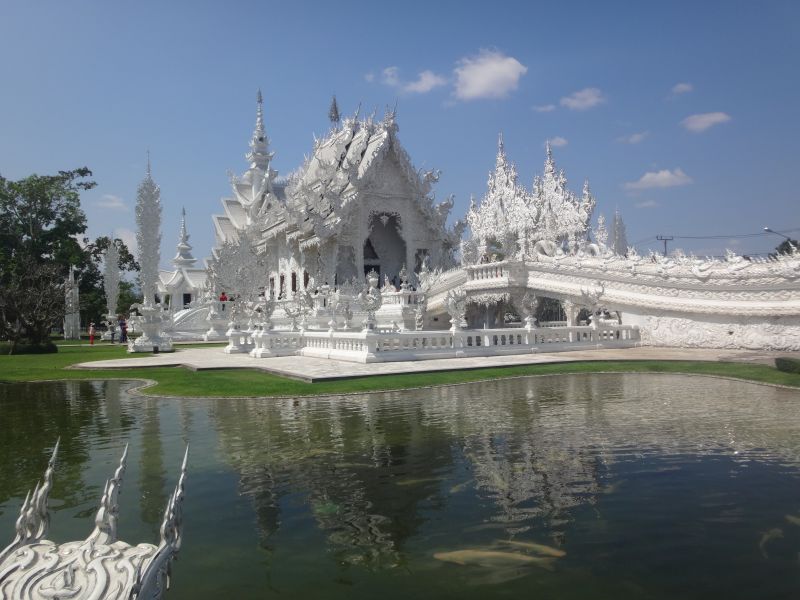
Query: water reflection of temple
352,454
536,449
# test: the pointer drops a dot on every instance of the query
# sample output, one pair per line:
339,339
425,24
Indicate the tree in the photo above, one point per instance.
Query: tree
40,221
128,294
788,247
31,301
333,112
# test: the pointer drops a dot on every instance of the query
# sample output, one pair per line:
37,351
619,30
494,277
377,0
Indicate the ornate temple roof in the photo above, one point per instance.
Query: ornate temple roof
311,202
515,217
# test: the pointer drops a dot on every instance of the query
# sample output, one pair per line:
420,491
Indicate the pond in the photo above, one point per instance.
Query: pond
575,486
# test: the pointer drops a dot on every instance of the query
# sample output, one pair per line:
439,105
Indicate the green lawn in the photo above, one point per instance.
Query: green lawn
177,381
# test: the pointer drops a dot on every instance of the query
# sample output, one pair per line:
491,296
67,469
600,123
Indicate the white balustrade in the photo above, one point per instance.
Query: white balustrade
487,271
382,346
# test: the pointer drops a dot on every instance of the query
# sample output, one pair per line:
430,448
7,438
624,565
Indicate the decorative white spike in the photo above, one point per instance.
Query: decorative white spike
171,526
22,520
105,531
34,519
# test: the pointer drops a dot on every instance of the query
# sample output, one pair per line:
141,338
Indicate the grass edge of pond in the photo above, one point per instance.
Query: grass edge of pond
254,383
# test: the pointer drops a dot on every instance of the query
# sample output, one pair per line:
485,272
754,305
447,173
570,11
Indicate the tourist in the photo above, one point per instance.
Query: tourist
91,333
223,297
123,331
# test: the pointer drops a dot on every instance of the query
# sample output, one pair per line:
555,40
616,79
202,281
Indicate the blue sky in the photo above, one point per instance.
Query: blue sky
682,114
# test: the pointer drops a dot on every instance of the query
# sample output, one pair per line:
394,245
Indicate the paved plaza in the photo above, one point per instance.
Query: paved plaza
320,369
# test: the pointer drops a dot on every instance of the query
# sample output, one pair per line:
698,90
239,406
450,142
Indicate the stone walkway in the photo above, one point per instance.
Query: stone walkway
318,369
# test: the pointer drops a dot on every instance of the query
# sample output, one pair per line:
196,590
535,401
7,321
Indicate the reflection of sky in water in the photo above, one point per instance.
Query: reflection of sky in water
353,489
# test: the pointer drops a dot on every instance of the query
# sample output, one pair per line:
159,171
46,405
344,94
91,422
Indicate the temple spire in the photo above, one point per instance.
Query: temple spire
501,163
259,155
184,256
549,163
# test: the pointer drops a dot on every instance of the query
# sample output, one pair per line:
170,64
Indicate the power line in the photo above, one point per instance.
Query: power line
731,236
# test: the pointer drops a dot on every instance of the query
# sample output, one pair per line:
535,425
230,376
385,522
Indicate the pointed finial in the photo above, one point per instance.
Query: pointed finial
259,155
148,162
259,114
500,145
184,257
549,150
333,112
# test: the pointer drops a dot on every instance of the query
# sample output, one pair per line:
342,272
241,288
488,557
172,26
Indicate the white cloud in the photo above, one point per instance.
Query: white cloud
660,179
490,74
699,123
127,236
545,108
558,142
646,204
390,76
426,81
681,88
370,77
633,138
111,202
583,99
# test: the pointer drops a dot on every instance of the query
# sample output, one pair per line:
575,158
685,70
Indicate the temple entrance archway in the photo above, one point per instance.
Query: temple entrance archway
384,250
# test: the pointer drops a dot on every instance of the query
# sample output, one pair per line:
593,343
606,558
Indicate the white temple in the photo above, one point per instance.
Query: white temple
356,205
182,288
292,255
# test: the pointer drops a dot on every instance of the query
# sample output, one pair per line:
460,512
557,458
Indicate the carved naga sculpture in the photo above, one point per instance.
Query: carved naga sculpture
101,566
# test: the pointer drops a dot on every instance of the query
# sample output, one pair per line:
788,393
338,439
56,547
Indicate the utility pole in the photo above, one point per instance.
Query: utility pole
665,239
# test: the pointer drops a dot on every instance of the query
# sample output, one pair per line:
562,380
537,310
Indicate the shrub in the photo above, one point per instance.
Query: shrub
788,365
22,348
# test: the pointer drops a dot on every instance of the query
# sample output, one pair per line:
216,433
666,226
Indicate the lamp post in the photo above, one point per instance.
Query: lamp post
790,240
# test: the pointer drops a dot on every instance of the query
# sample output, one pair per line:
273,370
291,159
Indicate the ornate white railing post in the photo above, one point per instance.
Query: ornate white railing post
371,300
455,304
234,334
